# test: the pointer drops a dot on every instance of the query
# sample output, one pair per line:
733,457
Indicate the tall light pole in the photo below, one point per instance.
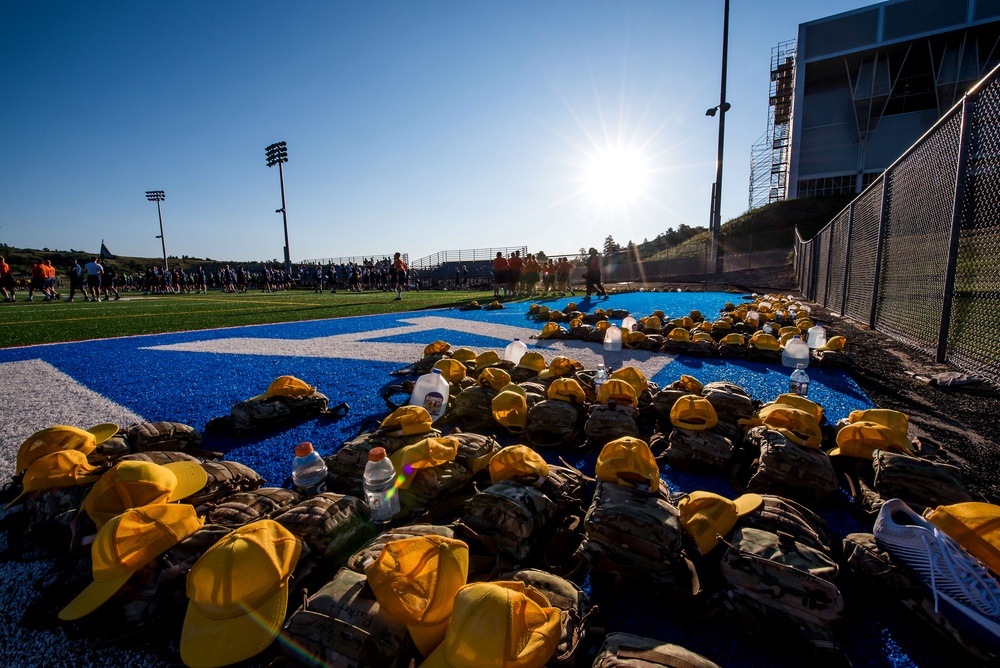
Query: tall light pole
158,196
277,154
716,221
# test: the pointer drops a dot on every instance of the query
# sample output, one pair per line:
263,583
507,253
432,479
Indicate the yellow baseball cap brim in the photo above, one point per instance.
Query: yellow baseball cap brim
91,598
211,643
191,478
103,431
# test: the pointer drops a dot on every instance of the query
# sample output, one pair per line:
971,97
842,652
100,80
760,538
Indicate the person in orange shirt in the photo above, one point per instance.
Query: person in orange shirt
563,271
6,282
37,280
529,278
514,266
50,281
401,272
500,274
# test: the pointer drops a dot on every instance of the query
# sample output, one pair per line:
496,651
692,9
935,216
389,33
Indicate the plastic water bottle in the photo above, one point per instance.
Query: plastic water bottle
816,336
309,470
514,350
379,482
768,329
431,391
796,352
613,338
628,323
799,381
600,378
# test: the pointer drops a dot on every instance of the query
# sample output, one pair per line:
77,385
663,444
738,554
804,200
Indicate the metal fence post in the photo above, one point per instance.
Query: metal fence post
847,259
879,244
829,259
956,229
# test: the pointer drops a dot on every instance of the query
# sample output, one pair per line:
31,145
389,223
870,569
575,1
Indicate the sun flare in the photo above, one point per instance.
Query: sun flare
616,176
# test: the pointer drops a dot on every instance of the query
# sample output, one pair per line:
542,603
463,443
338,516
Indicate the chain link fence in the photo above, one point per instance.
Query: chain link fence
917,255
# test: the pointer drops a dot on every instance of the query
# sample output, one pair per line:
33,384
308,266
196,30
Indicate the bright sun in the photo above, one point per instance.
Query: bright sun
616,176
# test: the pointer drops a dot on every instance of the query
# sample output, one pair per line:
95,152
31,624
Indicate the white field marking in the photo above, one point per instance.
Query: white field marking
354,346
36,395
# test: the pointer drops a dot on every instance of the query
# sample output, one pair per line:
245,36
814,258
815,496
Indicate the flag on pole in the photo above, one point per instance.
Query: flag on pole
105,253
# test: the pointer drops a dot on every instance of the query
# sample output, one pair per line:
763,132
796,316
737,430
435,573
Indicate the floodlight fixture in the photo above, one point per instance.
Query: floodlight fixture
159,196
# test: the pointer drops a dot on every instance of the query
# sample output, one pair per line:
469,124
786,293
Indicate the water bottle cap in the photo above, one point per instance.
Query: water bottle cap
376,454
800,366
303,449
516,338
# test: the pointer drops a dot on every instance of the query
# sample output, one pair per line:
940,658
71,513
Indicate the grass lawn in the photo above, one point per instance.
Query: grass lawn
23,323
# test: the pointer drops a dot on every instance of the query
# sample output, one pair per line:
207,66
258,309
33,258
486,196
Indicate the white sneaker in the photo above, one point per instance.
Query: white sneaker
963,589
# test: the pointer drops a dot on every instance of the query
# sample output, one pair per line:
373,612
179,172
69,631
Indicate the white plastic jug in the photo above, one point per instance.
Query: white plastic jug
613,338
431,391
796,352
817,336
514,350
628,322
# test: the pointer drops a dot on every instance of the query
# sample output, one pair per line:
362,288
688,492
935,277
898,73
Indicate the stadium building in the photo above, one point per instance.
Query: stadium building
857,89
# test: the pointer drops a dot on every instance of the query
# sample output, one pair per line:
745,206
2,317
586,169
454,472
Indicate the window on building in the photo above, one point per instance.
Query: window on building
831,185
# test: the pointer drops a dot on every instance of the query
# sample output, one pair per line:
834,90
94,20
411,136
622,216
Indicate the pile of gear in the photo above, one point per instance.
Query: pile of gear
756,330
497,535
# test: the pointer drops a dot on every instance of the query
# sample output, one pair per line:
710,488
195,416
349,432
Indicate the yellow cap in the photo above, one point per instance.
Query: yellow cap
131,484
498,625
619,391
834,343
286,386
238,595
733,339
862,439
64,468
702,337
693,412
795,401
510,408
408,421
626,461
560,366
763,341
495,379
567,389
436,347
890,418
794,424
975,526
532,360
452,370
688,383
416,580
127,543
488,359
62,437
705,515
464,355
517,461
633,377
550,329
679,334
424,454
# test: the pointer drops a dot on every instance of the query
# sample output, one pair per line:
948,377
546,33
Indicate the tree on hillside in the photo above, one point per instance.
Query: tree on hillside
610,247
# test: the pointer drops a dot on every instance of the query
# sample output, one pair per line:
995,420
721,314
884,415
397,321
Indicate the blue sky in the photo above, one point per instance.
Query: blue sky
413,126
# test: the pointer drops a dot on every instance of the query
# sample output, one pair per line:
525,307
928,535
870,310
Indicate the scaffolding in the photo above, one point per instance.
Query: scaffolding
770,153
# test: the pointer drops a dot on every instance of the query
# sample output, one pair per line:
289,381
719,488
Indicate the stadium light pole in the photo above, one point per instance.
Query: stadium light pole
716,222
158,196
276,154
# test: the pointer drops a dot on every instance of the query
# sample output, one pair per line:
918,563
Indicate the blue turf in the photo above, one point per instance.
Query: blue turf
194,387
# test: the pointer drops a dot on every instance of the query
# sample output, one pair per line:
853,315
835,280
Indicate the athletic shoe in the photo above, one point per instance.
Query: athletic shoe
117,297
28,299
397,299
963,589
69,299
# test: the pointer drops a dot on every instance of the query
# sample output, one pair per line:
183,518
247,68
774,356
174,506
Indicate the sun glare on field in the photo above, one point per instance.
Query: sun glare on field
616,176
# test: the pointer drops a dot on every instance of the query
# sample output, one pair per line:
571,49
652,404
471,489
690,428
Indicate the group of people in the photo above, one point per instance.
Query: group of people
517,277
385,275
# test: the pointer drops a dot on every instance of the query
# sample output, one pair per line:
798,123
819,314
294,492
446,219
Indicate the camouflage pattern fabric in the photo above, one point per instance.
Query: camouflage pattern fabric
158,590
535,391
520,375
581,332
333,525
225,478
663,402
421,366
110,451
261,414
475,450
703,349
473,407
245,507
512,517
729,400
371,551
633,531
43,519
574,611
624,650
920,482
832,358
343,626
691,450
163,436
161,457
875,568
346,466
430,486
553,423
779,586
769,463
780,515
608,422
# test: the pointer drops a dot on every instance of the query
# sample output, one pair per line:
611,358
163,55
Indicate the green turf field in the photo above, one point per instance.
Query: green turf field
23,323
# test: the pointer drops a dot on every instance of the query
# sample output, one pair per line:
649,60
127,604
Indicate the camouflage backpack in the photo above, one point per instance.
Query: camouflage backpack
874,567
623,650
44,519
430,486
421,366
146,436
371,551
922,483
346,466
783,589
333,525
608,422
245,507
343,626
515,519
634,532
108,452
225,478
574,607
553,423
255,415
693,450
663,402
730,401
473,407
161,457
779,515
769,463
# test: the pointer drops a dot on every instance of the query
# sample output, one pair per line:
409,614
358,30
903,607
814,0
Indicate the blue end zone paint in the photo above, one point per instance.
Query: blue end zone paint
194,387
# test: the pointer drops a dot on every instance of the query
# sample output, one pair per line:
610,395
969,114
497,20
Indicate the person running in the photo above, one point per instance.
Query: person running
76,281
500,268
401,271
108,284
94,272
6,282
563,271
593,275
